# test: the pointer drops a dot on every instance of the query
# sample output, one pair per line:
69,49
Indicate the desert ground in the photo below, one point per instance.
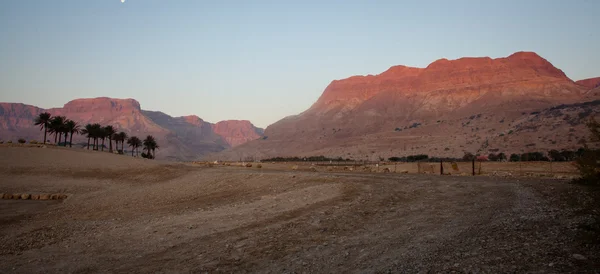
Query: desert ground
125,214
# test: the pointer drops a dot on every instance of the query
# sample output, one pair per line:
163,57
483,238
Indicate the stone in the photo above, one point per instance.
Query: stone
54,197
259,166
16,196
248,165
62,196
25,196
35,196
45,197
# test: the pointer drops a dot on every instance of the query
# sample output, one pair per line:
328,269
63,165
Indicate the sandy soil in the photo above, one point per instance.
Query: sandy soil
132,215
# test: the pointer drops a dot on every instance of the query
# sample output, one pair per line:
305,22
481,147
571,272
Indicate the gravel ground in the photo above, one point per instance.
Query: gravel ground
130,215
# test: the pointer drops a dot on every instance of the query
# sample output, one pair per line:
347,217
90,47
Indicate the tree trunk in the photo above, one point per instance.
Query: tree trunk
132,152
102,144
110,144
88,142
45,131
55,137
123,146
59,138
66,135
71,140
95,143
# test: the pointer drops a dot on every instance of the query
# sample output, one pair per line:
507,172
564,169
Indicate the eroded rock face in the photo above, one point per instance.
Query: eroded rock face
237,132
590,83
180,138
15,115
521,74
362,115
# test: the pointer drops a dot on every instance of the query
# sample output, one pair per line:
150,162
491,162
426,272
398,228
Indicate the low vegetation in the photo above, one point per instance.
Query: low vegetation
309,159
588,163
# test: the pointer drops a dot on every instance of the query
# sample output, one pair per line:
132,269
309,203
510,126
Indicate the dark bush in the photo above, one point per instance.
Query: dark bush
588,161
22,141
468,156
534,156
515,157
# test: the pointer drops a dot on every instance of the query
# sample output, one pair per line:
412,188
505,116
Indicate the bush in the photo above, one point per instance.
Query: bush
33,142
588,163
147,156
21,141
468,156
533,156
9,142
515,157
501,156
588,167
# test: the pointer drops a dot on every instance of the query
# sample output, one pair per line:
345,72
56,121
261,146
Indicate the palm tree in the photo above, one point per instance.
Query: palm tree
43,120
134,142
101,133
57,127
110,131
87,130
122,137
73,128
150,145
96,132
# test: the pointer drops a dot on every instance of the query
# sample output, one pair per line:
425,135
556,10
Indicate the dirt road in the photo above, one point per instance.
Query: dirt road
132,215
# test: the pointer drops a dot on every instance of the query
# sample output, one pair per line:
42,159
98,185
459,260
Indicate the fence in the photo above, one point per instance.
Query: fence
465,168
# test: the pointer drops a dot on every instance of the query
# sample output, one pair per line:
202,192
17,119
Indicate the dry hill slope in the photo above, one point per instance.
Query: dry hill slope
451,106
180,138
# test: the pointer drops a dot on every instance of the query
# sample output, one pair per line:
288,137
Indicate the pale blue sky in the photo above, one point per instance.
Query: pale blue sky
263,60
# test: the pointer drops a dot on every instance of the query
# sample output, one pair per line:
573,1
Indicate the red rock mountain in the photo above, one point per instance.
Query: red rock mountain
430,110
237,132
590,83
180,138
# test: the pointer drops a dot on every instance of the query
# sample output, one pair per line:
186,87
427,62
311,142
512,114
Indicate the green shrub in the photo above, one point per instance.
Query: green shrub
33,142
515,157
9,142
588,162
589,169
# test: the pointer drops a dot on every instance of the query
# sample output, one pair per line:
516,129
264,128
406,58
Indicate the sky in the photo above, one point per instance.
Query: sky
264,60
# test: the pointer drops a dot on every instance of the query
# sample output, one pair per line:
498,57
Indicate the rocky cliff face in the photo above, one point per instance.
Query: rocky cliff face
180,138
237,132
14,116
426,109
590,83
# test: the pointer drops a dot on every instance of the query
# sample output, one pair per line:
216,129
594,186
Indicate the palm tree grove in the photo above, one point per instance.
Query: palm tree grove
97,135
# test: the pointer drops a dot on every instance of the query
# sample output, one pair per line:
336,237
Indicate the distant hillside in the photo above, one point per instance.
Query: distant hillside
472,104
180,138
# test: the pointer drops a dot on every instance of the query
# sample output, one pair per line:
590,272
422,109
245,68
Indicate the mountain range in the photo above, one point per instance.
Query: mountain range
520,103
180,138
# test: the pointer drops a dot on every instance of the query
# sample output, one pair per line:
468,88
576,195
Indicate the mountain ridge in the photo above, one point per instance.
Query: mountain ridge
182,138
437,99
